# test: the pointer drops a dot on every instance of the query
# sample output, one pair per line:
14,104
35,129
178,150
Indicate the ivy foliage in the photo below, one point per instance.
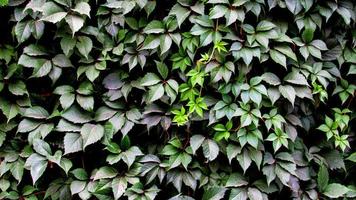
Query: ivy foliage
153,99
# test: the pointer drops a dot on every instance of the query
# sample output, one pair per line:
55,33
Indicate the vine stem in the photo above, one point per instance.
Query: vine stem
187,139
211,55
351,99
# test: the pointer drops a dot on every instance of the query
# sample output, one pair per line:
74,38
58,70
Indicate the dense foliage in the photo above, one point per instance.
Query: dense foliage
206,99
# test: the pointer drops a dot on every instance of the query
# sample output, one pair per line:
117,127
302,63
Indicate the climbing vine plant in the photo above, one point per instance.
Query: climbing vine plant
179,100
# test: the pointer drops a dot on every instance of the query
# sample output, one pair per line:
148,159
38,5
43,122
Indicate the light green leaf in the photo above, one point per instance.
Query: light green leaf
36,112
195,142
155,92
287,92
352,157
105,172
91,133
61,60
42,147
271,78
151,42
180,12
77,186
75,115
218,11
165,43
150,79
286,50
73,142
265,26
8,109
82,8
37,165
323,178
22,31
210,149
278,58
86,102
55,18
335,190
119,186
42,70
67,44
75,23
154,26
84,45
27,125
214,193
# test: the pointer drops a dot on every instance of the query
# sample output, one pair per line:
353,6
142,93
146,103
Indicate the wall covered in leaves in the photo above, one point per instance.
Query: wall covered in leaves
180,100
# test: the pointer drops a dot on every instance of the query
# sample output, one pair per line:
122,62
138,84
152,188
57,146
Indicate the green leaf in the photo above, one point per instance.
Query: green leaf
151,42
352,157
82,8
105,172
265,26
67,44
67,100
234,14
75,23
218,11
77,186
37,165
287,92
195,142
334,160
22,31
91,133
55,18
18,88
323,178
286,50
17,170
86,102
335,190
42,70
62,61
244,160
180,12
84,45
155,92
119,186
75,115
36,112
42,147
308,35
296,78
130,155
278,58
27,125
80,174
319,44
165,43
210,149
4,2
52,12
254,194
271,78
154,26
214,193
73,142
236,180
8,109
150,79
